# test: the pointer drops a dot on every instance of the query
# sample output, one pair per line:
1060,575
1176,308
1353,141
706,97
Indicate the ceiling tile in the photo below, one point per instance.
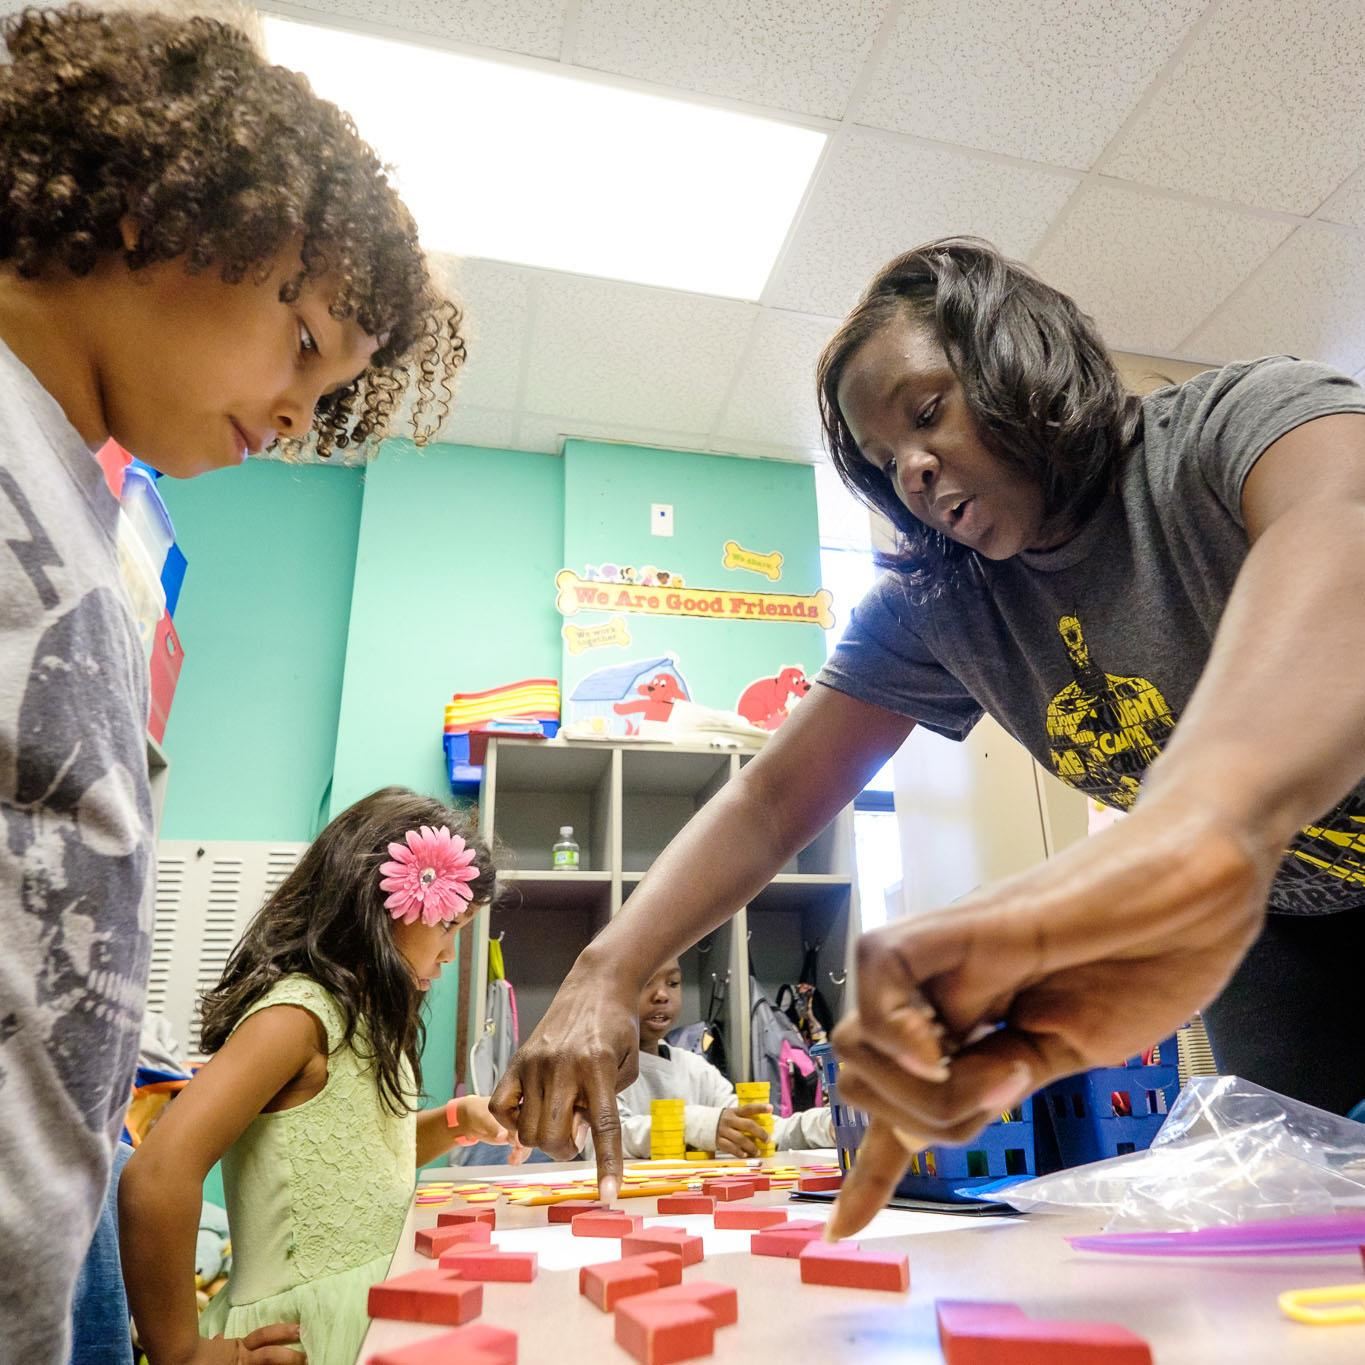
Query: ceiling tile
1304,301
803,57
530,26
1266,108
548,434
1049,81
468,426
877,195
773,400
1347,205
495,299
1148,268
631,355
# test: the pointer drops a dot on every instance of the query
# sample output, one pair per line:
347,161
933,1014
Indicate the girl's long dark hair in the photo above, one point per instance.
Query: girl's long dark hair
1036,378
328,921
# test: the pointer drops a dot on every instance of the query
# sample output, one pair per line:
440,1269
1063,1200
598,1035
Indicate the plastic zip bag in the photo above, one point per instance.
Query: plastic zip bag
1229,1152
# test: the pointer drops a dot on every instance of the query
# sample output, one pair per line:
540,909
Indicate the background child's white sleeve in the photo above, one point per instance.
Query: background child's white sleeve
800,1132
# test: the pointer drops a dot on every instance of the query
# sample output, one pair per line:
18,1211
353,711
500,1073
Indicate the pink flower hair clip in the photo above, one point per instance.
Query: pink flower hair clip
428,877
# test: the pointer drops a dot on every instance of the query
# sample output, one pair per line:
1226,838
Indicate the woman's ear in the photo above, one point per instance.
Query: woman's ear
127,229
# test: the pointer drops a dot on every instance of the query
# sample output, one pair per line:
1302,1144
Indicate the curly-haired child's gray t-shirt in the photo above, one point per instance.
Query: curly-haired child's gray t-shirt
75,859
1088,654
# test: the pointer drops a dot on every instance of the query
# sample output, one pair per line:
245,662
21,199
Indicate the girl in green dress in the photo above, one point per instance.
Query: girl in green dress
311,1097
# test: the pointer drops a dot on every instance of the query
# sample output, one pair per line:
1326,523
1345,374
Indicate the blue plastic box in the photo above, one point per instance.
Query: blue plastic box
173,577
1003,1150
1112,1110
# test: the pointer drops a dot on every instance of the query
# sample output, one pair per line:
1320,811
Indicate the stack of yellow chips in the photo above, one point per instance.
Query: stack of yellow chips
758,1092
666,1141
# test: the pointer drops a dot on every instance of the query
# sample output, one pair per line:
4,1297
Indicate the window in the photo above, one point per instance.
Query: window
847,571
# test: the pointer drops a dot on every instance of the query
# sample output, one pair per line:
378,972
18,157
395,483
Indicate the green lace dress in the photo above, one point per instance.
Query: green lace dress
316,1198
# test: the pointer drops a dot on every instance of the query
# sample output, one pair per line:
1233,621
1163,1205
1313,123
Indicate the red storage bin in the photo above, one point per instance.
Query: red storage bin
167,656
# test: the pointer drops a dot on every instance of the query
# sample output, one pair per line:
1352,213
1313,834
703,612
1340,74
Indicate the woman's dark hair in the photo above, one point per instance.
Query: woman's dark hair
180,128
1037,380
327,921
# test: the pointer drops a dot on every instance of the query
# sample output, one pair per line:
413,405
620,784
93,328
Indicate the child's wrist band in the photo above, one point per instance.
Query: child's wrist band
453,1121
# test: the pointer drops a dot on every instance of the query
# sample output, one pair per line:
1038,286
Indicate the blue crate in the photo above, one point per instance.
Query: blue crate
464,776
1005,1150
173,577
1088,1123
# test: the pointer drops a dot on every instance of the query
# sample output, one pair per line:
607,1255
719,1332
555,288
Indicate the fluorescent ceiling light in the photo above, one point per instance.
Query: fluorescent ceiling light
517,163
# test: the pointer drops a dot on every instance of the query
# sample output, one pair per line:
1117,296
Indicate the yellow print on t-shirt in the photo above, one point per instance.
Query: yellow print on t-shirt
1104,731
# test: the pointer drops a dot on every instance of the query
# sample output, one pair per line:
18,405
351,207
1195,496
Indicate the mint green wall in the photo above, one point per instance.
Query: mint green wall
454,591
764,505
263,621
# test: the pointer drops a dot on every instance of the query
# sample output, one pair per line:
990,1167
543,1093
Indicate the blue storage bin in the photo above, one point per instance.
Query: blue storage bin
464,776
1112,1110
173,577
147,514
1005,1149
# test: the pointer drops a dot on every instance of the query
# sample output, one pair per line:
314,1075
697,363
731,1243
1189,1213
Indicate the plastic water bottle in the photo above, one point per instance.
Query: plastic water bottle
564,855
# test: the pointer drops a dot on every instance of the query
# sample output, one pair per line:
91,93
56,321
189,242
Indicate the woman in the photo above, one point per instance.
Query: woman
1161,599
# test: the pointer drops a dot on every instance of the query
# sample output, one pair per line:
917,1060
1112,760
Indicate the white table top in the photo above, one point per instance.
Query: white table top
1192,1312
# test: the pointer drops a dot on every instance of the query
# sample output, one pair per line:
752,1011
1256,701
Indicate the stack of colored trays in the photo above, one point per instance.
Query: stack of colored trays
758,1092
666,1141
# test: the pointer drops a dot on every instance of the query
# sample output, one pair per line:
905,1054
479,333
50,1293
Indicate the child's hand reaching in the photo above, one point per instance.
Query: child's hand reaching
272,1345
477,1123
737,1134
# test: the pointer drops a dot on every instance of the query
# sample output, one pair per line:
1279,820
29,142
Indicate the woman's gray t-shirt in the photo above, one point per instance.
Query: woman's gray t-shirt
1088,654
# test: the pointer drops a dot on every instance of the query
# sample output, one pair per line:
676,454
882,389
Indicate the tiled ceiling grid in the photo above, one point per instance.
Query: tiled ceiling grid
1190,170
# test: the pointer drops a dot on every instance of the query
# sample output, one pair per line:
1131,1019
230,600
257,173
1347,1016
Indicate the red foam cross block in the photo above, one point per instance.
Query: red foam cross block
433,1241
571,1208
477,1344
676,1240
728,1190
661,1333
667,1265
1002,1334
789,1240
608,1283
481,1263
427,1296
457,1216
750,1219
847,1265
608,1223
686,1203
812,1184
760,1182
720,1300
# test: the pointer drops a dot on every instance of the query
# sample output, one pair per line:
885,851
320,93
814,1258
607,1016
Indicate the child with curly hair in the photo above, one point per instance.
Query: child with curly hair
199,259
311,1096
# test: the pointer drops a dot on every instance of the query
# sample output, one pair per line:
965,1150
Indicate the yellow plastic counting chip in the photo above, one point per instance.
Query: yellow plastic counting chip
1326,1307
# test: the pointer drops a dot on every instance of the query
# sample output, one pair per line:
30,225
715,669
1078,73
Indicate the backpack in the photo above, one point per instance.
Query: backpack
707,1038
805,1004
497,1041
780,1057
702,1038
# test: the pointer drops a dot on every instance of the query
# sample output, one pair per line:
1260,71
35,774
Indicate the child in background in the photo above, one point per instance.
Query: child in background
713,1120
311,1097
197,257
